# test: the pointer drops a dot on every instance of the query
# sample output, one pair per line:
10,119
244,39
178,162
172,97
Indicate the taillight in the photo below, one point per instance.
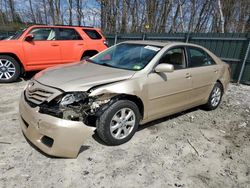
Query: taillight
105,42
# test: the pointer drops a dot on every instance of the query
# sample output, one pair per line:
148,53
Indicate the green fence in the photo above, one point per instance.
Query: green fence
5,34
230,47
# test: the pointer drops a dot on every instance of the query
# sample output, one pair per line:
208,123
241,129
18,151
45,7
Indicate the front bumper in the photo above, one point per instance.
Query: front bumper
54,136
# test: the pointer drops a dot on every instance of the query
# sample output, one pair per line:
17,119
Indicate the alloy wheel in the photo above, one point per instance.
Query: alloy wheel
122,123
7,69
216,96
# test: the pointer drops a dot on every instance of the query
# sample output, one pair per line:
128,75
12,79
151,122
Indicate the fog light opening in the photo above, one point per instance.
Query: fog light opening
47,141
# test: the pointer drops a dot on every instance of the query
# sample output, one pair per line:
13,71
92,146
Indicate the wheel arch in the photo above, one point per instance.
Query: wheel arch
16,58
89,53
218,81
134,99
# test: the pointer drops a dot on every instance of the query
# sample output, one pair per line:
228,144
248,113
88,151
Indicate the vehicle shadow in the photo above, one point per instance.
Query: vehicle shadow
151,123
161,120
29,75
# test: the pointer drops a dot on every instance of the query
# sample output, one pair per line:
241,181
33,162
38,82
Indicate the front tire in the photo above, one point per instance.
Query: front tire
118,123
9,69
215,97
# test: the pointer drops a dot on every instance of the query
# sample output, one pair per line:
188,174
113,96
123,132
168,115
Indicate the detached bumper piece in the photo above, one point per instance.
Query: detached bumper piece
54,136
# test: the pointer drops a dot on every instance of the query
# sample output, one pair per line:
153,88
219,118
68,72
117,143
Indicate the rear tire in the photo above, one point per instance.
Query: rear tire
215,97
9,69
85,57
118,123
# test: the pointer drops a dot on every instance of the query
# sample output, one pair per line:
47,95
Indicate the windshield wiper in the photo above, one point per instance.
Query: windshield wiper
104,64
108,65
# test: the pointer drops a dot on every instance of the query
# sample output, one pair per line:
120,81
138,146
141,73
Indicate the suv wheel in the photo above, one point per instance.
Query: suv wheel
85,57
9,69
215,97
118,123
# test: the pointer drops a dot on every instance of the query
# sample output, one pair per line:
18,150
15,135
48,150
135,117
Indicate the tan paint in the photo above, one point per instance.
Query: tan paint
68,135
161,93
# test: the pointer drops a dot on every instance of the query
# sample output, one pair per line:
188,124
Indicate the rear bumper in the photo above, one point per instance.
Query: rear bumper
54,136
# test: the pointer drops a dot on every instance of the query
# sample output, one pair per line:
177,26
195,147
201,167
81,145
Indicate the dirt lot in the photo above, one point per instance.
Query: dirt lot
191,149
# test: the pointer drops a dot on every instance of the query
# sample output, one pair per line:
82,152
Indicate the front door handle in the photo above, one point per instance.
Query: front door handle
54,44
188,75
80,44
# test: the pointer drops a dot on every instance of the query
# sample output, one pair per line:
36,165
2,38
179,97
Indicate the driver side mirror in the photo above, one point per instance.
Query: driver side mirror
29,37
164,67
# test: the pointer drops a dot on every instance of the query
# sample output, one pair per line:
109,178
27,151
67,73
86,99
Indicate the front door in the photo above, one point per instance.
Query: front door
169,92
43,50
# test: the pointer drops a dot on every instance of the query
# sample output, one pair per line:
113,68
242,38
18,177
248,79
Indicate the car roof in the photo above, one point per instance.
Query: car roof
162,44
148,42
156,43
64,26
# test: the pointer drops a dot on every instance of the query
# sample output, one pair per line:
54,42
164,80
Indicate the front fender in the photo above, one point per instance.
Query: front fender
134,87
131,87
14,49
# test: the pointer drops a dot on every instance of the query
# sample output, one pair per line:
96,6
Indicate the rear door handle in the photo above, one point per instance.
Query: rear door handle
54,44
80,44
216,70
188,75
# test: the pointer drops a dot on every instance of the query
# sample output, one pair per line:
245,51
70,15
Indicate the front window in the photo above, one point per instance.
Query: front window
42,34
127,56
175,57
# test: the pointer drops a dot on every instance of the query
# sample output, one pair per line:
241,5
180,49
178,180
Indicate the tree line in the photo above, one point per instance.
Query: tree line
132,16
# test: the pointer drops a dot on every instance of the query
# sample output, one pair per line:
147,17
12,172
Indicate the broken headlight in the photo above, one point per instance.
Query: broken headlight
73,99
70,106
76,106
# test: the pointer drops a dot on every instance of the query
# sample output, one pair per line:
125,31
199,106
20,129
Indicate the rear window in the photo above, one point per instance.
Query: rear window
93,34
68,34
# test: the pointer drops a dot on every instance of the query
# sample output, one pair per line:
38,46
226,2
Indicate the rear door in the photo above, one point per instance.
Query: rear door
204,72
43,50
71,44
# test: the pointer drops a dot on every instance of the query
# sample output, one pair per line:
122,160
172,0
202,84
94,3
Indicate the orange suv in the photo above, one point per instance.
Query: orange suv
38,47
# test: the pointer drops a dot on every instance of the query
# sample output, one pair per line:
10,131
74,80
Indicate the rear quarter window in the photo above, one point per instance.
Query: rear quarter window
93,34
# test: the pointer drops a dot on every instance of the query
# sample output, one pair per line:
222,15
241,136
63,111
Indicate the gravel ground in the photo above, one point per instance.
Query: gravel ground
191,149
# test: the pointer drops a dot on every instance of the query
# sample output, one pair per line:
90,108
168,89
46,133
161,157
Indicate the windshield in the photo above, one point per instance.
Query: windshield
127,56
17,34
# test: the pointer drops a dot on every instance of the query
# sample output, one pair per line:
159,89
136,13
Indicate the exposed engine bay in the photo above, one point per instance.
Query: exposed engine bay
75,106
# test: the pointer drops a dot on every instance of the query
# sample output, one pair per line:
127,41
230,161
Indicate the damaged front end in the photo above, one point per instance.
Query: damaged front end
75,106
65,121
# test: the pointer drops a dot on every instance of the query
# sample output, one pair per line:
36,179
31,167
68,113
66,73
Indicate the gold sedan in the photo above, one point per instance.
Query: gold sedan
113,92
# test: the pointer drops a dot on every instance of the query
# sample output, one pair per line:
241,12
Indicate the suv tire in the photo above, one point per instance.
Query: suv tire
9,69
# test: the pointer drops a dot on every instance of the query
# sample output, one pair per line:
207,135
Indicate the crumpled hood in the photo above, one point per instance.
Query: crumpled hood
81,76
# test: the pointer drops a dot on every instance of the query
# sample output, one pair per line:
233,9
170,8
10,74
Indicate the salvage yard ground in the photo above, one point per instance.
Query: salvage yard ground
191,149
